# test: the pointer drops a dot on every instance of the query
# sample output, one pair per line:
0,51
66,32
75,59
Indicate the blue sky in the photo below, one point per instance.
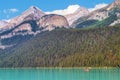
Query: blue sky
11,8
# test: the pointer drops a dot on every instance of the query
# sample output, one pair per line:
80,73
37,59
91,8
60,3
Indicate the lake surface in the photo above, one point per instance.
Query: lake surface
59,74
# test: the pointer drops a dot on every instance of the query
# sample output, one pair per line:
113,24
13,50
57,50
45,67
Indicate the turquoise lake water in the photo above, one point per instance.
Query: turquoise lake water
59,74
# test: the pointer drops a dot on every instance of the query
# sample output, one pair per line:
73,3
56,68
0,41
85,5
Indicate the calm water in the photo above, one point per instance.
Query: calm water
59,74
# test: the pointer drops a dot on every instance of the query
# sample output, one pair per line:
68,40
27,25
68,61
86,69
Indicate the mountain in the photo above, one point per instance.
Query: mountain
22,23
3,23
30,28
33,13
81,11
36,39
28,24
107,16
52,21
116,3
98,47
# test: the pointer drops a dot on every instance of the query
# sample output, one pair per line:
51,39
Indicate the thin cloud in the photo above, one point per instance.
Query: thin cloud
14,10
98,6
68,10
7,20
7,13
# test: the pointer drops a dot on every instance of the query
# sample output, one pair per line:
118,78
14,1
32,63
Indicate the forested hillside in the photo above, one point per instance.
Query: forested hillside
67,48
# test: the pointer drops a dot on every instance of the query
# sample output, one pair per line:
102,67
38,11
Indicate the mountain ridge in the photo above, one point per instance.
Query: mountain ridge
100,15
67,48
81,11
49,41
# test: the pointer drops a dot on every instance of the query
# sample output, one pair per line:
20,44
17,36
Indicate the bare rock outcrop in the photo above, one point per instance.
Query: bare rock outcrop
51,21
81,11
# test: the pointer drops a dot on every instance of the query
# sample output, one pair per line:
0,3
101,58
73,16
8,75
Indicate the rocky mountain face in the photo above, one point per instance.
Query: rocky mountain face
29,23
115,8
51,21
109,15
116,3
22,24
33,13
81,11
3,23
32,19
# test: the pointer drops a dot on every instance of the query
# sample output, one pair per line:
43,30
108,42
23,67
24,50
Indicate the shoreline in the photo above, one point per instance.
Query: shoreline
62,68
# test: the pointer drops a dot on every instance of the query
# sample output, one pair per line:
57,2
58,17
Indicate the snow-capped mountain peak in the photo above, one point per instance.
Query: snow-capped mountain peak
81,11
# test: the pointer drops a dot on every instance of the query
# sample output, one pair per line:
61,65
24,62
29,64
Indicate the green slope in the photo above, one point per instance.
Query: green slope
105,22
95,24
84,21
67,48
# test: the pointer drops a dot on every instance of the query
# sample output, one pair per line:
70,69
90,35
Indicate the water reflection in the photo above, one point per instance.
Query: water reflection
59,74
